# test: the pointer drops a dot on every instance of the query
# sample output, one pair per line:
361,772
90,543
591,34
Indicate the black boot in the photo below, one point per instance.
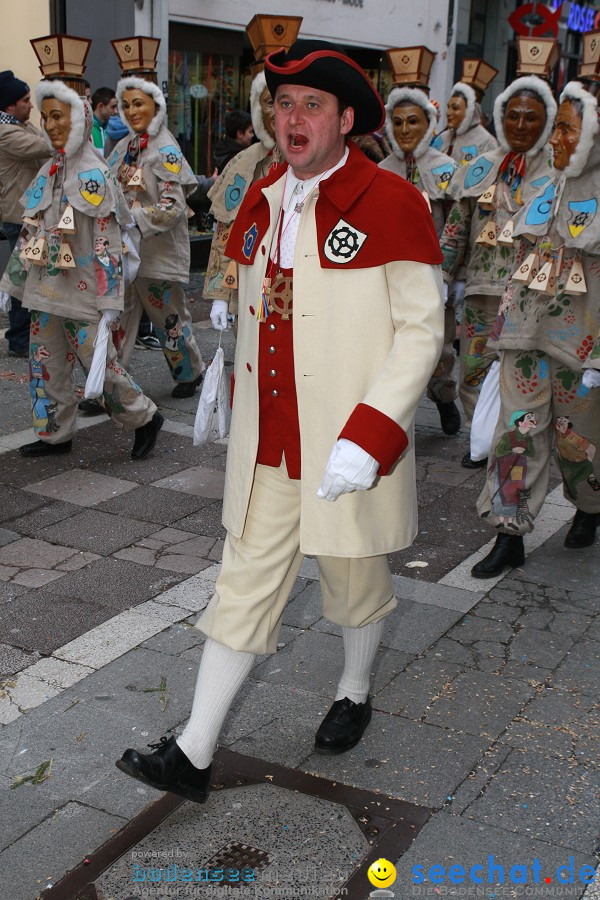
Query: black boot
468,463
507,551
42,448
145,436
167,769
343,726
449,417
582,532
91,408
186,388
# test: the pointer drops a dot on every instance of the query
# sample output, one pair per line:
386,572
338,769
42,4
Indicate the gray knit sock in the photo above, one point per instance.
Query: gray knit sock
360,647
222,673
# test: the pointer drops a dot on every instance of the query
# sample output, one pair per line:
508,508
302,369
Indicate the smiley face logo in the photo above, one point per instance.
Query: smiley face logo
382,873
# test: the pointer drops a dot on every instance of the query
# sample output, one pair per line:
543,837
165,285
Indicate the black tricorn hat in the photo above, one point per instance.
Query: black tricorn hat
324,66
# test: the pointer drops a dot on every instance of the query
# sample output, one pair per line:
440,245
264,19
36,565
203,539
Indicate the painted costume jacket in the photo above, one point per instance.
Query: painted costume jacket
465,146
23,150
432,175
488,266
159,206
561,224
226,195
77,182
367,331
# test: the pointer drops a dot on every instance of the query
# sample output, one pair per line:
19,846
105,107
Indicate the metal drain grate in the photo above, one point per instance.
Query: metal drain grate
236,861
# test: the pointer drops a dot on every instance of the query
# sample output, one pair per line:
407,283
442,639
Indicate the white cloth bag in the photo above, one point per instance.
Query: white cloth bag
213,414
486,414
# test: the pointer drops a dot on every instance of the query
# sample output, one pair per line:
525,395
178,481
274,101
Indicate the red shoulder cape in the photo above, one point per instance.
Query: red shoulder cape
366,217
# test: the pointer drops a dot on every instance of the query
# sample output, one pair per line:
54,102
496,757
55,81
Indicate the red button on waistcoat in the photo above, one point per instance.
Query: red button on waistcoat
249,367
252,310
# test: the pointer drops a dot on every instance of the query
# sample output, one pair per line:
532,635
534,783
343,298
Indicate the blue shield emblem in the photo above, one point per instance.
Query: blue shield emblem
170,157
582,214
92,186
234,192
468,154
539,210
443,174
250,238
477,171
34,192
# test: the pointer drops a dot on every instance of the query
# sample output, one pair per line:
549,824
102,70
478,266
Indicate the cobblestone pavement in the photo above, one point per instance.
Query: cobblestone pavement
485,694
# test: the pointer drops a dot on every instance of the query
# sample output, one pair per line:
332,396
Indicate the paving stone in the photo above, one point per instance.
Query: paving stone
186,565
478,703
413,627
193,593
436,594
174,640
33,625
472,628
34,578
166,537
9,590
112,583
111,639
489,609
478,778
524,671
8,572
412,692
554,564
98,532
518,800
57,672
305,609
7,536
16,472
540,648
449,840
16,502
198,546
30,553
153,504
43,516
197,480
579,669
81,487
57,844
23,808
314,663
77,561
142,555
452,651
415,761
21,692
206,521
12,659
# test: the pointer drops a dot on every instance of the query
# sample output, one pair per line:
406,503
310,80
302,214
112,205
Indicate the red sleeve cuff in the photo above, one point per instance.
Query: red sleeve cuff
376,433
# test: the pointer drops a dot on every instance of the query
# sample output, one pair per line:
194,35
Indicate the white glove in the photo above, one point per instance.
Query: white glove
591,378
4,301
110,315
218,315
445,288
349,468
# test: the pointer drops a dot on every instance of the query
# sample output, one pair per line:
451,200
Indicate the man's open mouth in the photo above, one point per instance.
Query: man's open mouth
298,140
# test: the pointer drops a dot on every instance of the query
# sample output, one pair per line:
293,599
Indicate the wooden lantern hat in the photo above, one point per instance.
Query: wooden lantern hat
268,33
478,74
137,56
411,66
589,67
537,56
62,56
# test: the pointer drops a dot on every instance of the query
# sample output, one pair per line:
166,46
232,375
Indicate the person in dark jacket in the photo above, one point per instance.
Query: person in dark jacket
239,134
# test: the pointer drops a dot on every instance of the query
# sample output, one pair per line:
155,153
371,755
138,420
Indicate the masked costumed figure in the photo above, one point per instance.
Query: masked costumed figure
465,138
549,339
156,180
74,212
479,227
410,120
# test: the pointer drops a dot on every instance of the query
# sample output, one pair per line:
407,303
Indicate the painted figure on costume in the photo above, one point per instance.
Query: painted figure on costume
107,266
510,460
575,455
38,375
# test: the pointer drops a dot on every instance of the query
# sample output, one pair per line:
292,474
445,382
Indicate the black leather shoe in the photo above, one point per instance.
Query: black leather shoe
507,551
167,769
449,417
468,463
582,532
91,408
186,388
41,448
145,436
343,726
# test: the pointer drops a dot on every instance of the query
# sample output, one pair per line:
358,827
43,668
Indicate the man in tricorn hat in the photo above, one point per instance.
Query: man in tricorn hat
340,327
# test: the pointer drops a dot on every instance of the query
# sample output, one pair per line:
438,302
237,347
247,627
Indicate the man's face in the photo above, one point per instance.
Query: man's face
21,110
104,111
410,123
524,120
56,118
455,111
267,108
100,246
562,424
566,134
309,129
139,109
245,137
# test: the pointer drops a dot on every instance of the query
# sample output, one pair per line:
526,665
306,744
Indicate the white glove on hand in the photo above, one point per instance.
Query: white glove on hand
110,315
445,287
591,378
349,468
4,301
218,315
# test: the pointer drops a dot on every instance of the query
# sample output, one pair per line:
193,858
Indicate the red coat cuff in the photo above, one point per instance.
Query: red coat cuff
376,433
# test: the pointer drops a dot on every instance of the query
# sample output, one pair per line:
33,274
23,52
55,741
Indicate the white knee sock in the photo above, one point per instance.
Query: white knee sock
222,673
360,647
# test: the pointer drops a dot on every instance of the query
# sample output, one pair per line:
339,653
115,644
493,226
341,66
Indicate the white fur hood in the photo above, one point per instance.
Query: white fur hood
417,98
589,127
132,82
259,83
82,117
472,114
529,83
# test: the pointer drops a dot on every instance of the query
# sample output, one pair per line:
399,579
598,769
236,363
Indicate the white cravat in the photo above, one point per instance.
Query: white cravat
294,197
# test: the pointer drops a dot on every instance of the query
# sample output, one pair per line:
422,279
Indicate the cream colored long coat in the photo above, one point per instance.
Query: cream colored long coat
368,336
